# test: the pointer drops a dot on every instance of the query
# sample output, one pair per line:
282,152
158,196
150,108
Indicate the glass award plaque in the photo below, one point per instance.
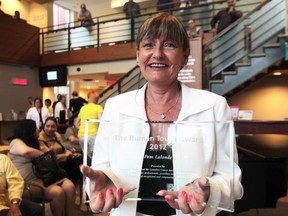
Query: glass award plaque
165,155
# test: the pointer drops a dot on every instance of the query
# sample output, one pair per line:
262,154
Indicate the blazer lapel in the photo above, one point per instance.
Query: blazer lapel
193,102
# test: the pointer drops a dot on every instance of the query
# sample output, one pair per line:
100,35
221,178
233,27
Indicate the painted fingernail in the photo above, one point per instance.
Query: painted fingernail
167,199
182,193
101,196
190,197
110,191
120,191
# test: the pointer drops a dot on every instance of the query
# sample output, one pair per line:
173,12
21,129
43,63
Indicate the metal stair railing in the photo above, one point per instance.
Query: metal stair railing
244,36
131,81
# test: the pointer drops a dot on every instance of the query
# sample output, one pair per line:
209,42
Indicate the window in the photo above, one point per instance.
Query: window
61,17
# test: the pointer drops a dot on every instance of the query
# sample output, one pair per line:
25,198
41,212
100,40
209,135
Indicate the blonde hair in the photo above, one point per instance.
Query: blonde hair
93,96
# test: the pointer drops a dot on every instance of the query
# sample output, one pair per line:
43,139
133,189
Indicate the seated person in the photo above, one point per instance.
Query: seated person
11,187
71,137
22,149
50,139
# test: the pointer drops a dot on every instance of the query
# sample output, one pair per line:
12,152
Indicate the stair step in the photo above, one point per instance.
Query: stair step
242,64
282,36
216,81
229,72
274,45
255,55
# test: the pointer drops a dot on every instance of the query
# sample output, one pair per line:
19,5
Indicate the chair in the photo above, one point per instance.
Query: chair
35,193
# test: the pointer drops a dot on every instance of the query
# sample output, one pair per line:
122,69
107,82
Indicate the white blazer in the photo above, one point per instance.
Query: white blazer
121,141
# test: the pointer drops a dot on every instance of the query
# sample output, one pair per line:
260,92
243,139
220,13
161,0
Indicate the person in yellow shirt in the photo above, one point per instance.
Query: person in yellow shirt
11,190
90,111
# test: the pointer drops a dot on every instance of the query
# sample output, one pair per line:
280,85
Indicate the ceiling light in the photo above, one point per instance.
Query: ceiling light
277,73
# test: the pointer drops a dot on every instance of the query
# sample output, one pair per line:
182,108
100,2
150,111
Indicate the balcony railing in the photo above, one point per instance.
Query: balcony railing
116,28
243,37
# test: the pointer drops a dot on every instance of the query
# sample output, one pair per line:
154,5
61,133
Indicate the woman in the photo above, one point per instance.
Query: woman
22,149
38,113
11,186
71,136
198,179
90,111
50,139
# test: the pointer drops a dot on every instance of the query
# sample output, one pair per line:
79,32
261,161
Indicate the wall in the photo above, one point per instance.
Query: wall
13,96
113,67
35,14
9,6
38,15
268,98
286,29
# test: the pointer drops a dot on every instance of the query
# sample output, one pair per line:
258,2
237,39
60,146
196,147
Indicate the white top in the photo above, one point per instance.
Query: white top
59,107
34,115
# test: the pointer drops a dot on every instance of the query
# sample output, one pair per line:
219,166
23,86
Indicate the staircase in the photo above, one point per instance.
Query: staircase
257,62
252,44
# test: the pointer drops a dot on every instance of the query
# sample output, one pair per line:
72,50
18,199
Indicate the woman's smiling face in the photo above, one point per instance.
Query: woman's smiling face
160,60
50,128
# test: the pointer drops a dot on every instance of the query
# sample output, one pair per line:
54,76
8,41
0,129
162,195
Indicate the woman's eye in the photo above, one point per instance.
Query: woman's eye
148,45
171,45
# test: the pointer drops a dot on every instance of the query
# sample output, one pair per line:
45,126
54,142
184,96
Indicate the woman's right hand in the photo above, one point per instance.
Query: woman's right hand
104,196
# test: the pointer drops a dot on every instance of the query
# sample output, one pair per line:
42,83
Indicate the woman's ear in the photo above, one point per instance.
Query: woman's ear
137,56
186,56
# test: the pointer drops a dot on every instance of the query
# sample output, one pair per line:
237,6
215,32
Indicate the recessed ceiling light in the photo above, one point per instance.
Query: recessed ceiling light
277,73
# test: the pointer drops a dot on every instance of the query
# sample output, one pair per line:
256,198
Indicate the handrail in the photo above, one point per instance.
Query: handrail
126,83
118,81
244,36
122,16
224,31
69,36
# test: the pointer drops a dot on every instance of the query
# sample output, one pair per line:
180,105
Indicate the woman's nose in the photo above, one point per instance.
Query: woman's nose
158,52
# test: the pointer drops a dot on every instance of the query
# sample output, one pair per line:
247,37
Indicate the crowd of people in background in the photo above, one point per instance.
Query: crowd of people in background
25,146
37,134
72,115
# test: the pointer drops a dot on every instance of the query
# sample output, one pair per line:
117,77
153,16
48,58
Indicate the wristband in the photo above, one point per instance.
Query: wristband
15,201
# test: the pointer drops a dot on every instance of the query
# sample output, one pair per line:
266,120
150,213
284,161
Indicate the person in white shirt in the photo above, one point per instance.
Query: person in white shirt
61,106
38,113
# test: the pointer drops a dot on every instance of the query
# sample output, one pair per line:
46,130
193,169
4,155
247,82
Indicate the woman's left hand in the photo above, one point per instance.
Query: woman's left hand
14,210
190,198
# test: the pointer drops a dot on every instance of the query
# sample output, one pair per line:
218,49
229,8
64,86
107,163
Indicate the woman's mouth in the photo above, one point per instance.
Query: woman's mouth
157,65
